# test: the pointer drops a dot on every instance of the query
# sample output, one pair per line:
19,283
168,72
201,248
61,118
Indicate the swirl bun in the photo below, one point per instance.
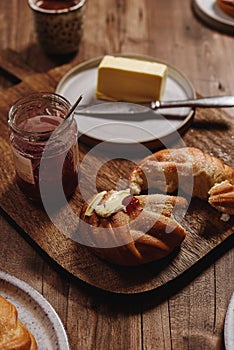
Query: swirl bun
144,231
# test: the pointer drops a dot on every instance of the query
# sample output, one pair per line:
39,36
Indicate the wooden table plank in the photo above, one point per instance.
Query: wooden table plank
208,132
169,31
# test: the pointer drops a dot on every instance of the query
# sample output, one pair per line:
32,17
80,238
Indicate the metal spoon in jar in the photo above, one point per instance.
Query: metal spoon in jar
132,108
73,107
58,124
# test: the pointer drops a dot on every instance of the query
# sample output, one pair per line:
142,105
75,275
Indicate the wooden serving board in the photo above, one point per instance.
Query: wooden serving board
212,131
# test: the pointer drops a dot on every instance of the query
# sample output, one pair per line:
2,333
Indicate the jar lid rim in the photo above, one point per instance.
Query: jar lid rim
34,96
36,8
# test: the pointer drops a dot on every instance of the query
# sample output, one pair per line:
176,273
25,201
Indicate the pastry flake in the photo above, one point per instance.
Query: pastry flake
13,334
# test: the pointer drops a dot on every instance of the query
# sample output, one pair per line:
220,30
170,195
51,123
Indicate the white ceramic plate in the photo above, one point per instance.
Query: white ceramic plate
229,326
35,312
209,12
122,128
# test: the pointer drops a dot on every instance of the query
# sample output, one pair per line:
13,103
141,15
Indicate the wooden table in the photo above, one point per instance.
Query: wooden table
189,314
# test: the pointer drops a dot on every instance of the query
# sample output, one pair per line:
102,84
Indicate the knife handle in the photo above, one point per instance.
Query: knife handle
207,102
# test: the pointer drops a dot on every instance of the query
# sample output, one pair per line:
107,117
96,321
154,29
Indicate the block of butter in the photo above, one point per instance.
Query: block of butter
130,79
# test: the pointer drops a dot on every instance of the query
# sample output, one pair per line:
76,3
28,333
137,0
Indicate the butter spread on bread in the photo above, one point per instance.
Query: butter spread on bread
112,204
146,231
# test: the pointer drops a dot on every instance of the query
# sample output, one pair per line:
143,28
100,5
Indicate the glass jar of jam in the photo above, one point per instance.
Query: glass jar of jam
44,146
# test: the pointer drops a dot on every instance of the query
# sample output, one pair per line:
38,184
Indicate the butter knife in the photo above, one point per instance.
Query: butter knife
204,102
133,108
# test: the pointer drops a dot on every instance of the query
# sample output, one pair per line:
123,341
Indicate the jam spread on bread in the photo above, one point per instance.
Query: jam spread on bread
133,207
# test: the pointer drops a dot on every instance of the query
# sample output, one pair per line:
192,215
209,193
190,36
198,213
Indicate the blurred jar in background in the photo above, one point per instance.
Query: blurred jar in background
58,24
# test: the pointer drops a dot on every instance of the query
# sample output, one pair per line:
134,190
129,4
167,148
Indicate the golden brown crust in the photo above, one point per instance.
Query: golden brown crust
168,169
13,334
130,240
222,197
226,6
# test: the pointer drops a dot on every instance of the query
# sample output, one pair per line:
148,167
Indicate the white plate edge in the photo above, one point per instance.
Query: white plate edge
229,323
217,23
43,304
95,61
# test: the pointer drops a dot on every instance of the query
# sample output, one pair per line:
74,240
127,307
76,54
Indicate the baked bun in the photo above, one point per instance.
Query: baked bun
188,168
13,334
222,197
143,230
226,6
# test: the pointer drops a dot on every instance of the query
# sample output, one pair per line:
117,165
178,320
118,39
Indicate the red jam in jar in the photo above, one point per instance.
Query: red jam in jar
56,5
44,145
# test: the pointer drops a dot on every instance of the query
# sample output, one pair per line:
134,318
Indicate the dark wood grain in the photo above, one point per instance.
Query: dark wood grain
203,225
190,313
